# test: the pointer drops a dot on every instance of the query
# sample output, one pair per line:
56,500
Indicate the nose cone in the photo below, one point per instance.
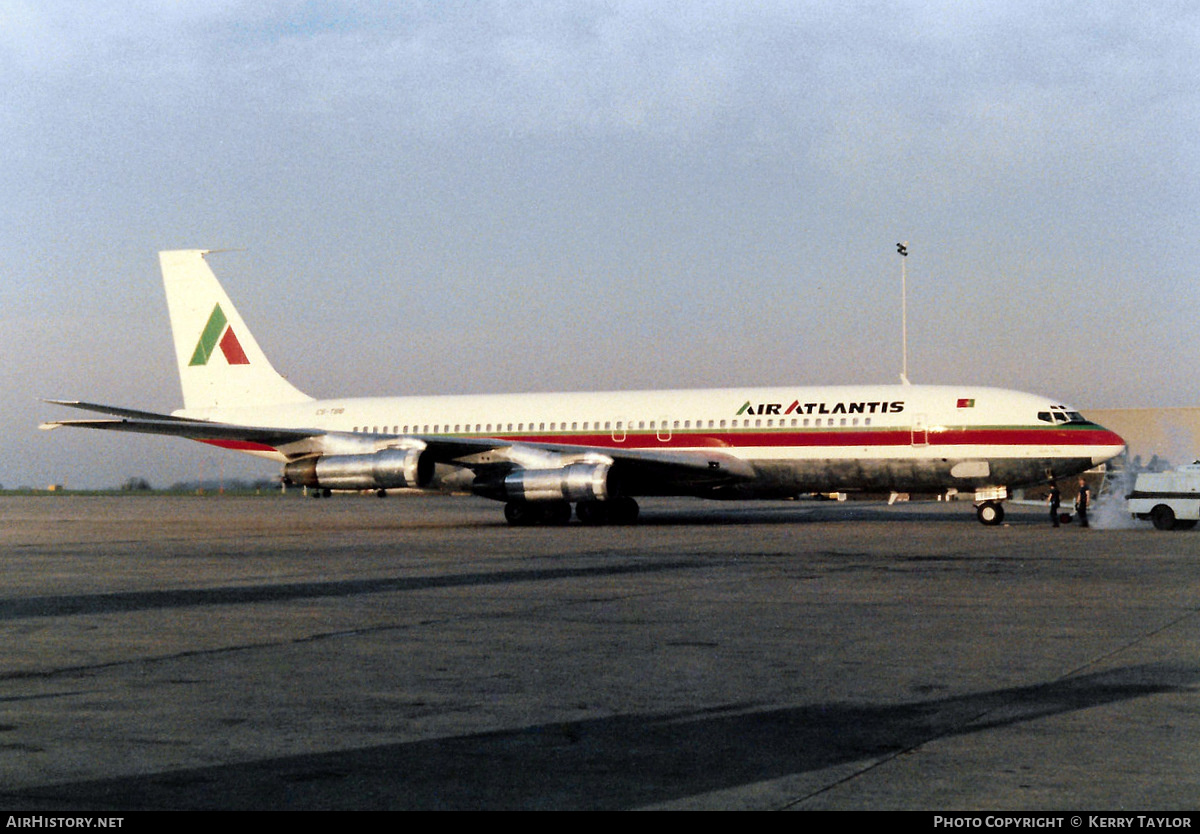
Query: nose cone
1107,445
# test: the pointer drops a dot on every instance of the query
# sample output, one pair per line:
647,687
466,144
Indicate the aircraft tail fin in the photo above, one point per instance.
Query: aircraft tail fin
220,364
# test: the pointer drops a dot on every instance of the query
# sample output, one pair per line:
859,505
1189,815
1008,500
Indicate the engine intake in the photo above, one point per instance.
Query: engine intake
386,469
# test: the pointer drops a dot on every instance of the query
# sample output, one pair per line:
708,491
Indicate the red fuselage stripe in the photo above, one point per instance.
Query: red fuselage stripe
787,438
833,438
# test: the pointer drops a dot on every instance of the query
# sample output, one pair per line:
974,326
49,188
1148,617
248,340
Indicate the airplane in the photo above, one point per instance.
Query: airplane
541,453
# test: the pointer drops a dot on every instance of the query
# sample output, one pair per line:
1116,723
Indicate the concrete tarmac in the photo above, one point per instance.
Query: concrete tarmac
281,653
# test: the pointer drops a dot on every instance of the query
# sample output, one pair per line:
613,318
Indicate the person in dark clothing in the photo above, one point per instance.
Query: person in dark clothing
1055,502
1082,502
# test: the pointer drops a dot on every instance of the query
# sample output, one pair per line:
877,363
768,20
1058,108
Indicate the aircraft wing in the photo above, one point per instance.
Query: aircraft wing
650,470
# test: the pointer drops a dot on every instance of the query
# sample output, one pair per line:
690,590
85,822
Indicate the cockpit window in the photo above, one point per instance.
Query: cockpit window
1060,414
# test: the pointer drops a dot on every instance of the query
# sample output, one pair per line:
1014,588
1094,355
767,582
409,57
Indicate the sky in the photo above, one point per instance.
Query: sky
459,197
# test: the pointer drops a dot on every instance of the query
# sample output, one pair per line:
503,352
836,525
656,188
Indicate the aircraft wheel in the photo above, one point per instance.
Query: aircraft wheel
381,493
990,513
557,513
521,514
623,510
592,513
1163,517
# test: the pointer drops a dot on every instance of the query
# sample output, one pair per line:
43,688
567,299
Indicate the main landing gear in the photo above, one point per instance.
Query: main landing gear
990,513
621,510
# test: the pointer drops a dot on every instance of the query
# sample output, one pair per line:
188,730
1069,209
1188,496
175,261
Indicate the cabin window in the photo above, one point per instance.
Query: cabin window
866,421
770,423
541,426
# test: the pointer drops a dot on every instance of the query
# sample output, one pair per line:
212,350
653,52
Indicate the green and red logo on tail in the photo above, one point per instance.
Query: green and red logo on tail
217,332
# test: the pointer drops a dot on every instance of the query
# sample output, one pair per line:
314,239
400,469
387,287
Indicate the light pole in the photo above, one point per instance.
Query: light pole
902,249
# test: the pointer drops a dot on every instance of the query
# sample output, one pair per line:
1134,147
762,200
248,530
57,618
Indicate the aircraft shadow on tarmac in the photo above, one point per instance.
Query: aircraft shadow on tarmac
612,763
124,601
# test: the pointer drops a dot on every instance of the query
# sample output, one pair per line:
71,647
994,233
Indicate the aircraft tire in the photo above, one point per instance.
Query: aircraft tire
592,513
557,513
1163,517
990,513
521,514
623,510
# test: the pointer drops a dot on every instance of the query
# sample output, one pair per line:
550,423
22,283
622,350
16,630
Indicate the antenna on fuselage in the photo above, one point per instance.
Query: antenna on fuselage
902,249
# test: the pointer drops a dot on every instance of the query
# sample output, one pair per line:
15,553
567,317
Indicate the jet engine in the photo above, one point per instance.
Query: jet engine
386,469
574,482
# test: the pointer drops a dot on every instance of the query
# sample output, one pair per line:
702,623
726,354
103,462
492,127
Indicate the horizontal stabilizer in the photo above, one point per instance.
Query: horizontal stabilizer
193,430
117,411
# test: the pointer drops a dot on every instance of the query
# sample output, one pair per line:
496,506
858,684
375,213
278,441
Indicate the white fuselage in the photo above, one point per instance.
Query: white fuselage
905,437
